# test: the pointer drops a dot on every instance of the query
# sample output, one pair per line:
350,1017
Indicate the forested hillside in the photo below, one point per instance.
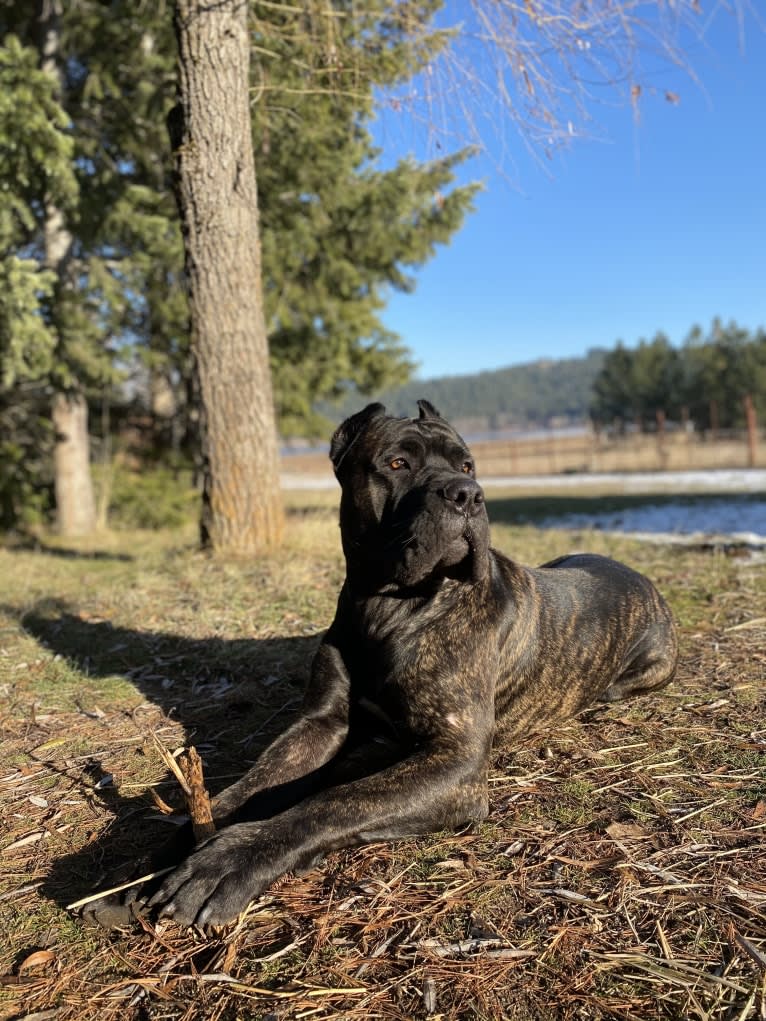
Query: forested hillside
708,381
521,395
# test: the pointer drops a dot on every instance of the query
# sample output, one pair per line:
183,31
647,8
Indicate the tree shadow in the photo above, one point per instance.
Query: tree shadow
532,510
231,697
682,514
31,545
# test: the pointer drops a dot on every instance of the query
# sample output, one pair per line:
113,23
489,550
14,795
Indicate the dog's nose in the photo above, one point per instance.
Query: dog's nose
466,494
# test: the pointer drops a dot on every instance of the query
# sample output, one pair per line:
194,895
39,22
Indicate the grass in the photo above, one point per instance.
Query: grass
622,872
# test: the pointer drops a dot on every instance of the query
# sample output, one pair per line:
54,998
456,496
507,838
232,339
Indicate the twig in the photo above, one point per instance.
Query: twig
117,889
752,951
755,622
171,763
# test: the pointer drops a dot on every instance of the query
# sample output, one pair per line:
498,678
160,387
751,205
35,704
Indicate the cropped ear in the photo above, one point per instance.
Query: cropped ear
427,410
348,432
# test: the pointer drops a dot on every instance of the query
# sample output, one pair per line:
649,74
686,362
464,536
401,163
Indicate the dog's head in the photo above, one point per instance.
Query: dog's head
411,508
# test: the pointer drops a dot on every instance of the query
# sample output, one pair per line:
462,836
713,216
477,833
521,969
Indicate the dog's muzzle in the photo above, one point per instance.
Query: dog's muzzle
465,496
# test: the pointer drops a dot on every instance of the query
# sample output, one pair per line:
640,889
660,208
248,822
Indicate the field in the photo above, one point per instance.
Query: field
621,874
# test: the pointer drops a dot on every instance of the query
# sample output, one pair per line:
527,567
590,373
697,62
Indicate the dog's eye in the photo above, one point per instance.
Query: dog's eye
467,467
397,463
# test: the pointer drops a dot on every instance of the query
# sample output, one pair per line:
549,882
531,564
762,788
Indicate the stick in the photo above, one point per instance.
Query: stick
196,795
171,763
188,771
116,889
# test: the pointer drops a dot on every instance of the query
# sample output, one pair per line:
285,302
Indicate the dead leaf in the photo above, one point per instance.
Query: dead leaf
31,838
39,959
626,830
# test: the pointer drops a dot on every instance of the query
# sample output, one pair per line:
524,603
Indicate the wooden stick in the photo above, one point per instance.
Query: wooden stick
195,792
188,772
116,889
171,763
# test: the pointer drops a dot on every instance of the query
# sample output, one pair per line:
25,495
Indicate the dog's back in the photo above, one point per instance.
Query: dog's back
589,629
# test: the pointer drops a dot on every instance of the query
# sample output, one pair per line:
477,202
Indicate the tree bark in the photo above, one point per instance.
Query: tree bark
73,483
76,508
215,183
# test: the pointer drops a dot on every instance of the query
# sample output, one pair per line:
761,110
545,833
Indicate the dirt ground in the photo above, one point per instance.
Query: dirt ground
621,874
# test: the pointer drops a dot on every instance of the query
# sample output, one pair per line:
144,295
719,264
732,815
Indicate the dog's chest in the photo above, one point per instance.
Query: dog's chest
403,670
385,685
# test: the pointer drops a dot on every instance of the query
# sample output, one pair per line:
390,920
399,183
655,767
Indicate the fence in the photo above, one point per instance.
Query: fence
597,452
555,454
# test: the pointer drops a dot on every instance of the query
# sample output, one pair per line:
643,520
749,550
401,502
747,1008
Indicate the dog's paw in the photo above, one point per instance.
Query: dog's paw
218,880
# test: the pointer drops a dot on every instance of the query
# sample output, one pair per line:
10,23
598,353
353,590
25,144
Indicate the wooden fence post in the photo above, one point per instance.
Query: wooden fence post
661,450
713,418
747,400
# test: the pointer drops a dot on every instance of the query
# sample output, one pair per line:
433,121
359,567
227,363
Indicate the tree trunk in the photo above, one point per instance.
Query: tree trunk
74,491
75,504
216,191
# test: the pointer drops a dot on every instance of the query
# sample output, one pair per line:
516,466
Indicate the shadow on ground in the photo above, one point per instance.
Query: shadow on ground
229,697
32,545
525,510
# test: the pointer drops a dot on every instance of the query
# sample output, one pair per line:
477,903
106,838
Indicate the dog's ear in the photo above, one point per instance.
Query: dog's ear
427,410
348,431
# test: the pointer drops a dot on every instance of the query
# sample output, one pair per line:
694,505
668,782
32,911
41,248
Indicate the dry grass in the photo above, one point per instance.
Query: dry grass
622,873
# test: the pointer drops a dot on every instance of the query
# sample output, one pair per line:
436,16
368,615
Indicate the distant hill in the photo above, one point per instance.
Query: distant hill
540,393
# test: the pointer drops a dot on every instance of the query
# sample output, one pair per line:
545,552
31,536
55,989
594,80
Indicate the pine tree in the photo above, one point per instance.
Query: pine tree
656,380
211,134
338,232
721,368
614,396
80,309
36,160
37,157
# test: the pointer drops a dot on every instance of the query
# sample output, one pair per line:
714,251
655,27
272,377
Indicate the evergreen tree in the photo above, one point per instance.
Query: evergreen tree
81,311
36,156
722,368
614,398
656,380
337,231
709,377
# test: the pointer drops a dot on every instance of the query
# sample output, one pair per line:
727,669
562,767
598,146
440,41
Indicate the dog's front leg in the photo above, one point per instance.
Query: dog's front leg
282,776
284,769
437,788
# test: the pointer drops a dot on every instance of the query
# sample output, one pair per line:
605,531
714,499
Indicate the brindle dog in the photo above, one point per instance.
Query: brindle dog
440,645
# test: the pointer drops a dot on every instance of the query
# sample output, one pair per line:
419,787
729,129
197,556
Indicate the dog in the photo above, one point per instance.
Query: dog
440,648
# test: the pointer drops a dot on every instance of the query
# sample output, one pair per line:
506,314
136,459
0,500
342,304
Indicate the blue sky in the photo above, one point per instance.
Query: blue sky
657,224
